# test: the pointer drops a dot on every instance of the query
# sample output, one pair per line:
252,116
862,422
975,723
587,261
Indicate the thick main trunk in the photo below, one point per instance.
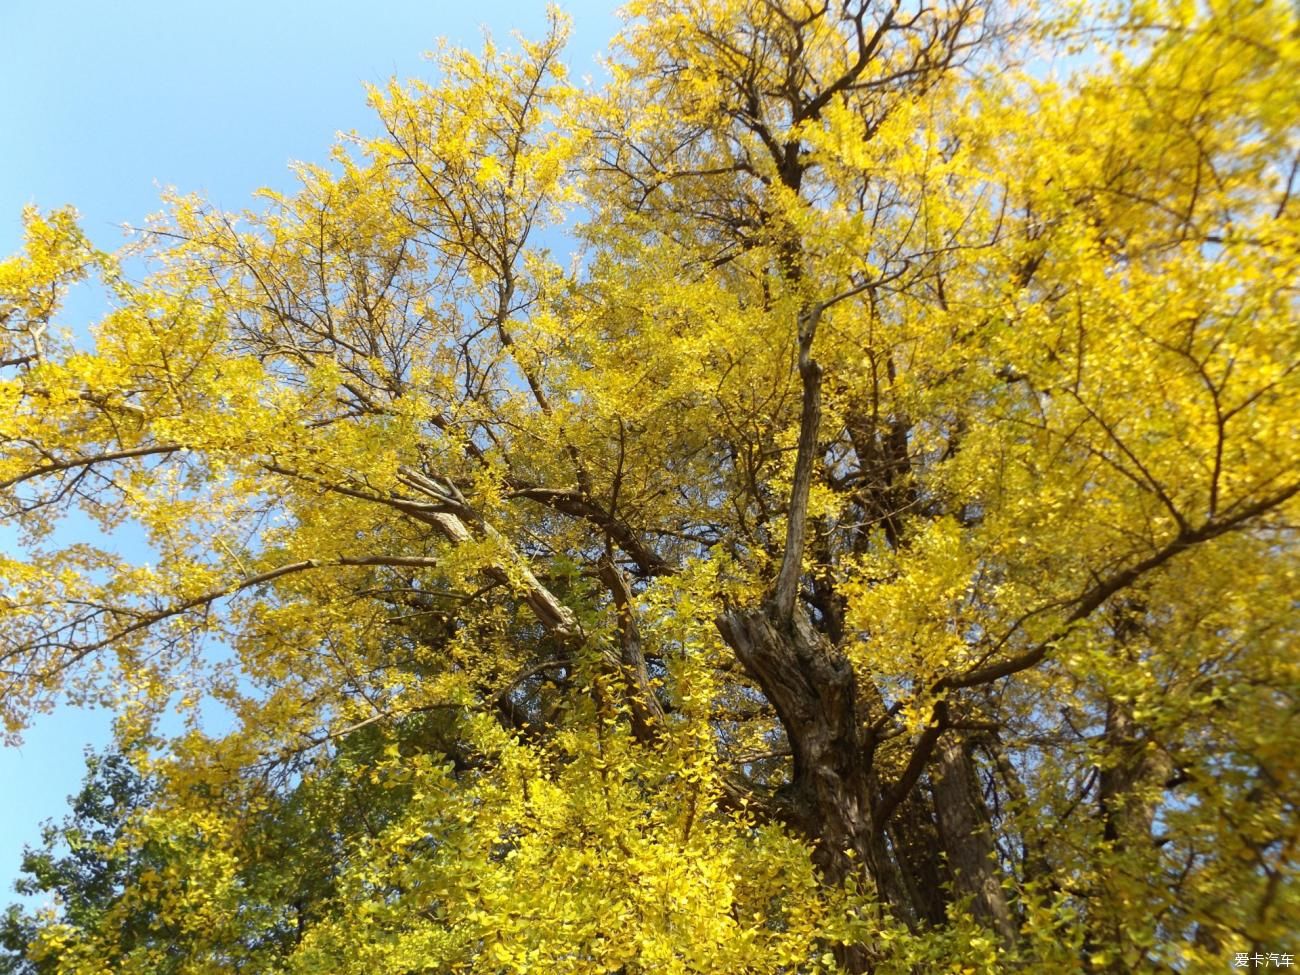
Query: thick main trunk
813,689
812,686
967,838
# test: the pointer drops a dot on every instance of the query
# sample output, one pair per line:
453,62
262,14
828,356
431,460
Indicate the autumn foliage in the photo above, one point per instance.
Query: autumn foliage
823,499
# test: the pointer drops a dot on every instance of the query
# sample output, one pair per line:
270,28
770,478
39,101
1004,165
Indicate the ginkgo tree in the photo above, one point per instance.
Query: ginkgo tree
872,549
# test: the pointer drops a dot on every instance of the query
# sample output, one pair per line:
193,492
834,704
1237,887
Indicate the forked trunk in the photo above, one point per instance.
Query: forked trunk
813,688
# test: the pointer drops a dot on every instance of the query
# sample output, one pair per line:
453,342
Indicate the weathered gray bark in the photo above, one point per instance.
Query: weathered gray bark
646,713
812,686
967,837
813,689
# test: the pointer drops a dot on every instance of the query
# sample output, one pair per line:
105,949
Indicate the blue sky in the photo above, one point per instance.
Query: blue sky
106,103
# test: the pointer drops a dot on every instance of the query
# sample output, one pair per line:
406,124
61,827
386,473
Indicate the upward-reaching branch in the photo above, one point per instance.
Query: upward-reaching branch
810,374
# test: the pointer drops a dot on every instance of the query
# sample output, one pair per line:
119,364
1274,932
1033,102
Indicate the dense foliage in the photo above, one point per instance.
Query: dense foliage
874,550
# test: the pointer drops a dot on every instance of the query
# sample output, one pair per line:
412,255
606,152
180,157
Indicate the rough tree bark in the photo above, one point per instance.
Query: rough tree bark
812,686
967,837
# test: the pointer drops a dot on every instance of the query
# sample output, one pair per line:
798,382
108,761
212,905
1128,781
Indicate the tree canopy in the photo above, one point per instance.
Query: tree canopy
823,500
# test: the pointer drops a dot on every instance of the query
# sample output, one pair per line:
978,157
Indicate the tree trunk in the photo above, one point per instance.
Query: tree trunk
967,838
813,689
914,838
1126,816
